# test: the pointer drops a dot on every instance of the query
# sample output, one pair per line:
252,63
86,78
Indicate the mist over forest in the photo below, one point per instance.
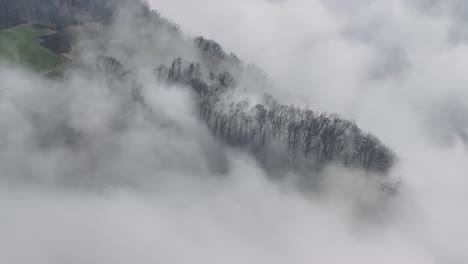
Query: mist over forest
212,131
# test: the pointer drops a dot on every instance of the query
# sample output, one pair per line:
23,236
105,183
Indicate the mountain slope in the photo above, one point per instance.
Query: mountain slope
128,41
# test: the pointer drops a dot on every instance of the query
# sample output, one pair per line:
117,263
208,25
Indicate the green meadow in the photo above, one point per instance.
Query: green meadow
22,44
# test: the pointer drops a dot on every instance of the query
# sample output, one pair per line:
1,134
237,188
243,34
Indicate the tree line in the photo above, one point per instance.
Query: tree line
316,136
320,137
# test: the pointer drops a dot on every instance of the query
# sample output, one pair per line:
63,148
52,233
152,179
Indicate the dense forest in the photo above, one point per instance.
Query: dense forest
63,13
60,13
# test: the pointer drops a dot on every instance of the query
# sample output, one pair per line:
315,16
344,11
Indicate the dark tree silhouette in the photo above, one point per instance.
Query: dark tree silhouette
111,66
321,137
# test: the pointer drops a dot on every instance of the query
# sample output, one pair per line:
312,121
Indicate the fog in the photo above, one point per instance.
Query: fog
394,66
87,176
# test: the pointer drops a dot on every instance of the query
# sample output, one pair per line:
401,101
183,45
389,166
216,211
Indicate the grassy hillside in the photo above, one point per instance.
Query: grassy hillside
22,44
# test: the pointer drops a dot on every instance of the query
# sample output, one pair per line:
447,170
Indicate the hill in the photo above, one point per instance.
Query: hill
134,37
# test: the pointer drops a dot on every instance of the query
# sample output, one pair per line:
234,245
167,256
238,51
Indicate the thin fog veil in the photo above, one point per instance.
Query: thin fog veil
119,168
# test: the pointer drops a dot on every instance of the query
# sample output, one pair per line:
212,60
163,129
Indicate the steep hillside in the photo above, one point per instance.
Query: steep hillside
134,38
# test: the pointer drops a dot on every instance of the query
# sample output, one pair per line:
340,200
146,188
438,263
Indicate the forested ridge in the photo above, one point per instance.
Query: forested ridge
320,138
